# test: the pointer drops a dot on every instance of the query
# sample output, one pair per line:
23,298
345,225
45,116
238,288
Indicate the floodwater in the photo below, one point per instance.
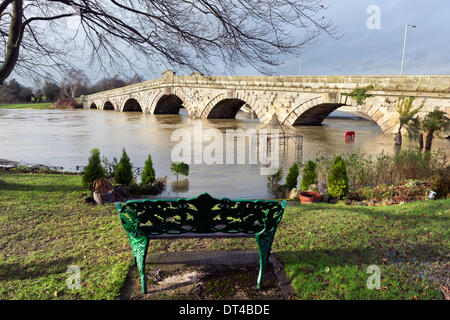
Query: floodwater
65,137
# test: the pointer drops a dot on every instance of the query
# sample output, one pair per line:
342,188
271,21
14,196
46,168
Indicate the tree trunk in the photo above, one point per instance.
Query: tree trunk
14,40
421,141
398,138
429,140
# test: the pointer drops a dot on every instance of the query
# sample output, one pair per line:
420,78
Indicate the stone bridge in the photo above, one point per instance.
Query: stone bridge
295,100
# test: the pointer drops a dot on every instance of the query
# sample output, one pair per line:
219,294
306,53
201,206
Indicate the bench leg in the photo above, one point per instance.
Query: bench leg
264,241
139,246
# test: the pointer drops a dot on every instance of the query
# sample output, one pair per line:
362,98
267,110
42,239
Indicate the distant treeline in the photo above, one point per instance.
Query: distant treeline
49,91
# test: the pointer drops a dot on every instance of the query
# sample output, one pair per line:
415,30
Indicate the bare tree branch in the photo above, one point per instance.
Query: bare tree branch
180,34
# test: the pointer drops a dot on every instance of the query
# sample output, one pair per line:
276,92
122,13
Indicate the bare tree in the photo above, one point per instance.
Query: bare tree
74,81
181,34
135,79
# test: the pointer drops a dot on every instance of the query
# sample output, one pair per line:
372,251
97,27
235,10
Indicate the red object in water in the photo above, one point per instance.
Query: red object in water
350,135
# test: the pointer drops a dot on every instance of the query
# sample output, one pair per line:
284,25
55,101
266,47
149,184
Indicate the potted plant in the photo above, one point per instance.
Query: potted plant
309,197
309,182
102,191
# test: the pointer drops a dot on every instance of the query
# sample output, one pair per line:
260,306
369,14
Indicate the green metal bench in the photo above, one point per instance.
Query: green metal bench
200,217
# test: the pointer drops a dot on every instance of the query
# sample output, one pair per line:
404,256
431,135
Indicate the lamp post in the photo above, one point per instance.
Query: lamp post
404,45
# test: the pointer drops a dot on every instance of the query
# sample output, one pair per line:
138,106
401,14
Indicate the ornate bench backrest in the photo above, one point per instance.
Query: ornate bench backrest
202,214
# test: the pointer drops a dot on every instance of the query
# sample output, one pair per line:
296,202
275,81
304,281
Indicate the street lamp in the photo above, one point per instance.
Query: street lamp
404,45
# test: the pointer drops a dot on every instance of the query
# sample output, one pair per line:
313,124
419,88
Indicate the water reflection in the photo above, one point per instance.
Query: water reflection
180,186
65,138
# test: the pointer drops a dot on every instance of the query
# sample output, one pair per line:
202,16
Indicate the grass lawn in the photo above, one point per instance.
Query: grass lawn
44,105
326,249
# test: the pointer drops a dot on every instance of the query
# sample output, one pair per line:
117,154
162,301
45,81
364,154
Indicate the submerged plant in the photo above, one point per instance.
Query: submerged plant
276,177
180,168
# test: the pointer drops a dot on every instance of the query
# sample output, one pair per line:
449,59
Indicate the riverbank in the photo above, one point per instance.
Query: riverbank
44,105
325,249
20,167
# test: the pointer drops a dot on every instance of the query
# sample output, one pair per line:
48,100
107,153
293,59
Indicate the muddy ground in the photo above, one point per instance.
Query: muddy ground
210,275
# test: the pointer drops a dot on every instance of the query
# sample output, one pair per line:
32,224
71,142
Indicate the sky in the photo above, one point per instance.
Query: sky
364,50
374,51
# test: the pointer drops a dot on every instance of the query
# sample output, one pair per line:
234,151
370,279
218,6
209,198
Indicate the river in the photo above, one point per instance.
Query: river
65,137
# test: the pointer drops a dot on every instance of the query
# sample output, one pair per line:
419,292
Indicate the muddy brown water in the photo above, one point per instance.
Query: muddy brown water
65,137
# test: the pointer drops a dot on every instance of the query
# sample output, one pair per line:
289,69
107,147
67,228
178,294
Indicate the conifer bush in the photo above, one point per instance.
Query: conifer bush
292,177
93,170
123,172
148,175
309,175
338,180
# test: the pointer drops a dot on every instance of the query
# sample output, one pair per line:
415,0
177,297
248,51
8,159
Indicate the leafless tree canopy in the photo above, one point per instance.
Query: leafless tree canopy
73,81
186,34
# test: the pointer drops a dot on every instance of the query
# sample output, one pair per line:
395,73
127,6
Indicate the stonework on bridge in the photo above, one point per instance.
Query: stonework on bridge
295,100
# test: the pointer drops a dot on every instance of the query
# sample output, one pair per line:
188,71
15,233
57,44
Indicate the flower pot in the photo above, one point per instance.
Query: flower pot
309,197
102,198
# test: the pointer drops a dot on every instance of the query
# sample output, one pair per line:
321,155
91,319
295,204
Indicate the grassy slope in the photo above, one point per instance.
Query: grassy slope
45,227
44,105
327,249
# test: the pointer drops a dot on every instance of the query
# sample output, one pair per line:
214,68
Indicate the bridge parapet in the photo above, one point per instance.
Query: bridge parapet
417,84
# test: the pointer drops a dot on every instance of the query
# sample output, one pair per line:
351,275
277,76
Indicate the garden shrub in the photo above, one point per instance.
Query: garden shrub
148,175
109,166
412,164
411,190
292,177
360,170
309,175
134,189
338,180
276,177
93,170
441,184
123,172
371,170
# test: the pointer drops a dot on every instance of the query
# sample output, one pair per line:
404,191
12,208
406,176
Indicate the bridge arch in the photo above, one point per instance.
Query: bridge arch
162,100
168,104
316,114
132,105
93,106
225,108
108,106
315,110
227,105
